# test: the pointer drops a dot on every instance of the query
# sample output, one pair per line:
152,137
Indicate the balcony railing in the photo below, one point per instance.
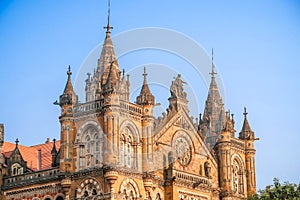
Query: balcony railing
30,178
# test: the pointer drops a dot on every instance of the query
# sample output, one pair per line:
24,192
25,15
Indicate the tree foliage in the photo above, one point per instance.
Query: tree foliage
278,191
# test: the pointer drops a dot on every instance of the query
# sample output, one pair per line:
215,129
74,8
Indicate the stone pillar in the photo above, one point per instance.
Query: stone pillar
250,167
66,185
111,177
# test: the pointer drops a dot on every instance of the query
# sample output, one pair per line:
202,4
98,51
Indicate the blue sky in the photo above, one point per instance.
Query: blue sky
256,46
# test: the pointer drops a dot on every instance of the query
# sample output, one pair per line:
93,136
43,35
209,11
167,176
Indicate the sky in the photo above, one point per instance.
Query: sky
256,54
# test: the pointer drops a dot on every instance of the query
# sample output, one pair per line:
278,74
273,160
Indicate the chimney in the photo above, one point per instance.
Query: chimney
47,141
39,159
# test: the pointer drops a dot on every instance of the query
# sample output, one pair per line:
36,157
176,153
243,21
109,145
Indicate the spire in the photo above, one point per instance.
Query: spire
145,96
68,96
54,151
246,132
112,78
108,27
17,142
214,113
246,126
213,73
107,54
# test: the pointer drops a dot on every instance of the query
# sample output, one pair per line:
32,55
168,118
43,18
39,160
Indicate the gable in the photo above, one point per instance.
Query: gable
180,132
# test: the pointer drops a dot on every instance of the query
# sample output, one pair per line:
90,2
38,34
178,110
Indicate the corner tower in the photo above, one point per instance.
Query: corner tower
67,101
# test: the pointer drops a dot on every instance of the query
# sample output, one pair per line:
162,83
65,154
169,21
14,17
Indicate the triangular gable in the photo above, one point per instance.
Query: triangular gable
182,121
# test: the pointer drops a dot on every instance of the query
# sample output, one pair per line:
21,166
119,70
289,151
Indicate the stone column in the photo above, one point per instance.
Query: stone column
111,177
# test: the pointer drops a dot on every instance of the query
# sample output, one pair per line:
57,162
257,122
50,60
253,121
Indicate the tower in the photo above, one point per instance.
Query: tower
147,101
248,136
67,101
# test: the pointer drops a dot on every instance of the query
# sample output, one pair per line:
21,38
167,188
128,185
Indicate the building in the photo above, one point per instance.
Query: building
111,148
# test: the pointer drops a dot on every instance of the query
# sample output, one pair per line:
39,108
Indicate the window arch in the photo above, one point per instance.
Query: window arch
16,169
128,148
238,175
129,190
89,189
89,144
59,198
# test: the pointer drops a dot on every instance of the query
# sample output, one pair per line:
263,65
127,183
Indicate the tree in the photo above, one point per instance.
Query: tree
278,191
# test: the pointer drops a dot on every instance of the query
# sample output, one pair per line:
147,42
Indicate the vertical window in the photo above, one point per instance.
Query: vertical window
128,155
122,153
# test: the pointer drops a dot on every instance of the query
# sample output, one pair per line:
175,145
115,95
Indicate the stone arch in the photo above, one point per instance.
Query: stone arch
133,129
87,125
89,144
128,139
59,197
238,174
90,187
157,194
129,189
47,197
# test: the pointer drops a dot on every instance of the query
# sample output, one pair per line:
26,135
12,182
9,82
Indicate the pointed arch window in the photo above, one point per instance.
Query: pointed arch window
237,177
89,147
127,149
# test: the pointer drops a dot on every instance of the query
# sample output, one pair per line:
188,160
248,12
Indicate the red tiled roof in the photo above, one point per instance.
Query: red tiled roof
30,153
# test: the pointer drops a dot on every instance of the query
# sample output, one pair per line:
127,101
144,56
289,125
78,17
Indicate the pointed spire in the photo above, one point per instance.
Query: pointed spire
111,79
246,132
213,73
68,96
69,86
107,54
54,151
246,126
17,142
108,27
214,116
145,96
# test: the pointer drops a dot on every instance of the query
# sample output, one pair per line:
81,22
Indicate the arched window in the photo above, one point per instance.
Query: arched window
122,150
127,149
128,155
237,177
89,143
59,198
158,197
16,169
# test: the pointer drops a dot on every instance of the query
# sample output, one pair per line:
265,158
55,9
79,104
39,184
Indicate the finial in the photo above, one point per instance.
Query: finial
232,115
213,73
69,71
123,72
145,74
54,140
108,27
245,112
17,142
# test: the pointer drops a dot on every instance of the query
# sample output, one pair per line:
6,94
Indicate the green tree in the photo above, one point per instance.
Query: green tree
278,191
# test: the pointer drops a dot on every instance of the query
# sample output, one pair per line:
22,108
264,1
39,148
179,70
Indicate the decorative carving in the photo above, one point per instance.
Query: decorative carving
176,88
183,151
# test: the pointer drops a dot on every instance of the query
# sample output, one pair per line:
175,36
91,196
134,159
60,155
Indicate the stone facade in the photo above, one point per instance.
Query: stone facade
111,148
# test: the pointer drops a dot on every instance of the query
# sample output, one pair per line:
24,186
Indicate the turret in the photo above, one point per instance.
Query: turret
223,147
147,100
54,154
248,136
67,101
